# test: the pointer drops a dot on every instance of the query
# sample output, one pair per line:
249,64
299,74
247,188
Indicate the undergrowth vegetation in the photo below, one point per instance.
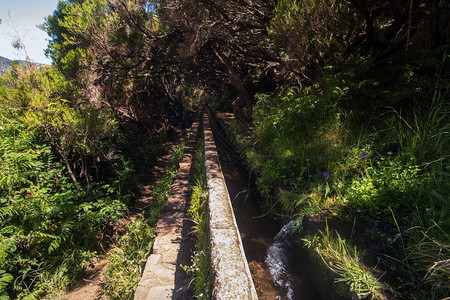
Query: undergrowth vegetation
126,260
200,268
129,253
370,144
162,189
344,260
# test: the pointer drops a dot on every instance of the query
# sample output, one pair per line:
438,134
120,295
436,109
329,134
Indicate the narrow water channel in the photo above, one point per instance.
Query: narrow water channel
276,270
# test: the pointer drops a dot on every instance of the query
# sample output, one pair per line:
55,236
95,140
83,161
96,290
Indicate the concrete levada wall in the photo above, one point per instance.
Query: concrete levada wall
230,271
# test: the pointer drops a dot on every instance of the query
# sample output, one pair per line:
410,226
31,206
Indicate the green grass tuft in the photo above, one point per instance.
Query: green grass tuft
200,269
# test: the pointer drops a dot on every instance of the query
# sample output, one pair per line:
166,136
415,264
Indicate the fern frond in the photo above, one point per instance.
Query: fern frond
8,211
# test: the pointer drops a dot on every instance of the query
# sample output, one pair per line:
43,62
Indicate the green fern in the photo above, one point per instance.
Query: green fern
5,280
8,211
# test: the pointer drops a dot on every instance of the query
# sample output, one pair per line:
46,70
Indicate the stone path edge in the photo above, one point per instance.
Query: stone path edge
163,278
231,274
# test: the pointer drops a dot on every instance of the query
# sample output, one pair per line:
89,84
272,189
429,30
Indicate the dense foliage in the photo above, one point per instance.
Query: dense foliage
55,197
360,135
387,166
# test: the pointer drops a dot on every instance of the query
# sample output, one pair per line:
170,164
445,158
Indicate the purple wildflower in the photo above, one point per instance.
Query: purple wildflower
325,175
438,285
363,155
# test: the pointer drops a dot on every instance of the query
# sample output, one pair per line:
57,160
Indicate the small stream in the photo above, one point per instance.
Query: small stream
276,271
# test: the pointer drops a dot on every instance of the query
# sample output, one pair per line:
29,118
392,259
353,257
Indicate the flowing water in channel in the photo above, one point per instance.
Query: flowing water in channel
277,259
276,271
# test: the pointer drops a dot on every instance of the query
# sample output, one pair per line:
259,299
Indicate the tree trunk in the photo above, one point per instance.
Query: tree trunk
244,97
84,171
61,149
69,170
